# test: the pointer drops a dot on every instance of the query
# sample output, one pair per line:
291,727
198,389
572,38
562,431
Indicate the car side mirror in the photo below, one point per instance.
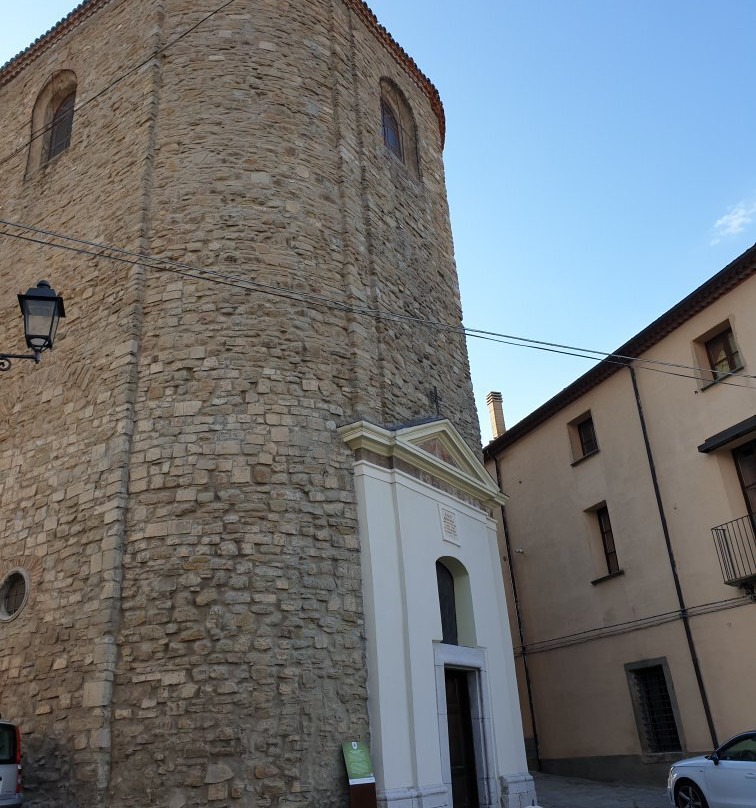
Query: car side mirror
714,758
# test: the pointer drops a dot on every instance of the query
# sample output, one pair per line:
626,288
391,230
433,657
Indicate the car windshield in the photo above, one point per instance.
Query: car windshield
7,744
740,749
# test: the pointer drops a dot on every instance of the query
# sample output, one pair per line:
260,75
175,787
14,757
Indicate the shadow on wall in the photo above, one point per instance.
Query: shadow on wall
47,771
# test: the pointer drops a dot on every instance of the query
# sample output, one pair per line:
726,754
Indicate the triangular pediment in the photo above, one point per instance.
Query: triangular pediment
435,448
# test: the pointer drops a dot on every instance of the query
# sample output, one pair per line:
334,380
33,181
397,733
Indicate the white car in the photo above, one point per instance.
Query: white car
724,779
10,766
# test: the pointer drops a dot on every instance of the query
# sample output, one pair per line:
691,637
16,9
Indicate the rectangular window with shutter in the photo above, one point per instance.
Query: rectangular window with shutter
607,540
582,436
723,354
717,354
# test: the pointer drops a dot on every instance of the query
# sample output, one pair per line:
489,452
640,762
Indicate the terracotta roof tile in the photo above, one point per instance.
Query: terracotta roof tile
14,66
21,60
406,61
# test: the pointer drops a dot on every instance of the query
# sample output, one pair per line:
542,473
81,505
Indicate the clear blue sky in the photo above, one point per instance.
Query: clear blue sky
600,158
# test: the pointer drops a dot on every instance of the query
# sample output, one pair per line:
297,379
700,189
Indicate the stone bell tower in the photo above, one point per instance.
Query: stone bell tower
190,514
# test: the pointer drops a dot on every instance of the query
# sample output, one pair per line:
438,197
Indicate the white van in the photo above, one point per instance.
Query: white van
10,765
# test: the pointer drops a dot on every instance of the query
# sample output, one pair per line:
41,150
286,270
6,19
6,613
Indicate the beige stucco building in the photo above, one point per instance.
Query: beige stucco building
230,495
628,543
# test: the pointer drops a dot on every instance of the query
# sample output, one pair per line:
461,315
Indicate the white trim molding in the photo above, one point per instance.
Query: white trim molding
494,790
421,797
460,468
472,660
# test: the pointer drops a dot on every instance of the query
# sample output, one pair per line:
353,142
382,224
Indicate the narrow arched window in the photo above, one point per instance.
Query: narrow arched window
52,120
398,126
62,123
448,604
392,135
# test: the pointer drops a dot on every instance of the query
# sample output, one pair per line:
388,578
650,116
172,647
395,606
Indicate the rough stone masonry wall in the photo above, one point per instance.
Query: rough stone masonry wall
252,147
242,665
63,445
409,254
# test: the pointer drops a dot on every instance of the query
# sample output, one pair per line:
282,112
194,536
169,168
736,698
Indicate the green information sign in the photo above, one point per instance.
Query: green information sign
358,764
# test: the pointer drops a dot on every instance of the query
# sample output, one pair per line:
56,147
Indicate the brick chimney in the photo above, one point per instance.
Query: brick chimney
496,414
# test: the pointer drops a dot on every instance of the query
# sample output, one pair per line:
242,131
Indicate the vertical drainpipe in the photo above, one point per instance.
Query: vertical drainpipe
673,564
519,621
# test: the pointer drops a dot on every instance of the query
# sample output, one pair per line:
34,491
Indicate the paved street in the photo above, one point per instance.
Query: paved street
573,792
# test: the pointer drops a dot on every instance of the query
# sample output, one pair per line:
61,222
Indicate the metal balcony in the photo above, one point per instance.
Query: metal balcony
736,546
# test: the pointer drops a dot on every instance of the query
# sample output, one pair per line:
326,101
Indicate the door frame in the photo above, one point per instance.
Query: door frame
473,661
750,510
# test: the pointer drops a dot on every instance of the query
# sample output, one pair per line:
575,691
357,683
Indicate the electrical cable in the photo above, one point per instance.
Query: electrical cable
201,273
143,259
505,339
642,622
39,132
246,284
586,353
187,270
624,361
165,265
601,354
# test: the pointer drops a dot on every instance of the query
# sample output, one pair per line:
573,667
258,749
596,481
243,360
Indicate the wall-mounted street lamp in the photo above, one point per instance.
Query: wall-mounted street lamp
42,309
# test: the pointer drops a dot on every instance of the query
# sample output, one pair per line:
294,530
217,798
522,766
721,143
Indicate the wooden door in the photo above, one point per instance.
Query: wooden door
464,776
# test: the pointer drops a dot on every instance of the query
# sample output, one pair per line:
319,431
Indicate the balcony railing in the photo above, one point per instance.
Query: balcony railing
736,546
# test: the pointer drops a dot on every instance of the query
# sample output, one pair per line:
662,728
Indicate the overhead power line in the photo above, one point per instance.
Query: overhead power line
39,132
617,359
638,623
108,252
240,282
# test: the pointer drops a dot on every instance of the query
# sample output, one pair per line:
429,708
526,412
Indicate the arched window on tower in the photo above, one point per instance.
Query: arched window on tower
398,126
392,135
52,120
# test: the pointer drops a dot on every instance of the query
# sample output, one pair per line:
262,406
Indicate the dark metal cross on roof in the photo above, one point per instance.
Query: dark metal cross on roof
435,399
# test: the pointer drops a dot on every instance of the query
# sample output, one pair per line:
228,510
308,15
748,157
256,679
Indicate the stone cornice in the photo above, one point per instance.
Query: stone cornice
403,58
22,60
466,473
14,66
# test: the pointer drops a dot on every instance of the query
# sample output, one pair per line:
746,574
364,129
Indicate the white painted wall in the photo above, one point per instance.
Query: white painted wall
402,537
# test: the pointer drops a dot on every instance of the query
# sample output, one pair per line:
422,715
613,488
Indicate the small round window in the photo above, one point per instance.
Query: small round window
14,591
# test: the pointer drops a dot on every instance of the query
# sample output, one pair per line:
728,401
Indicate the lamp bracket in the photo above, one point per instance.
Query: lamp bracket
5,359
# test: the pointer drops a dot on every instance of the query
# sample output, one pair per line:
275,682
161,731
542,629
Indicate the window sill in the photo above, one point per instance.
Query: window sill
723,378
607,577
400,168
42,169
584,457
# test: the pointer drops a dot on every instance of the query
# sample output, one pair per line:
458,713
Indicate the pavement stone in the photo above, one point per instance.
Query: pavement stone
575,792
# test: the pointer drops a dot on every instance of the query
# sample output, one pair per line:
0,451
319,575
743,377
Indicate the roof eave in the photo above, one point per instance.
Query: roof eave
14,66
20,61
737,271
